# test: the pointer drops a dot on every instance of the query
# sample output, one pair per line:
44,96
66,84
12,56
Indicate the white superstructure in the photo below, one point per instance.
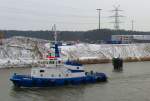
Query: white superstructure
65,71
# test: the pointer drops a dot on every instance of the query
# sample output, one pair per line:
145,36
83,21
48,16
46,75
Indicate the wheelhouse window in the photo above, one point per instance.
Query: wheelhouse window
52,62
41,71
59,62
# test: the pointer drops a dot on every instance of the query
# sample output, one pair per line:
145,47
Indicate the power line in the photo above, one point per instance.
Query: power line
117,17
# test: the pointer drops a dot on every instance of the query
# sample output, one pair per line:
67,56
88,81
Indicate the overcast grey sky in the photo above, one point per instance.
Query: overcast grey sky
71,14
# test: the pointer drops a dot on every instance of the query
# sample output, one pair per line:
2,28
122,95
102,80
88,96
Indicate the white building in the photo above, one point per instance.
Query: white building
131,38
122,38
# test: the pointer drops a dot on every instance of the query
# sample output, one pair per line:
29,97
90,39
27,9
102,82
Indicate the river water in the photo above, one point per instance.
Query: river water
133,84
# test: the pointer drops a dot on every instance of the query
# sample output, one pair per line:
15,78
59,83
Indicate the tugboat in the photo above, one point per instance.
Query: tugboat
57,73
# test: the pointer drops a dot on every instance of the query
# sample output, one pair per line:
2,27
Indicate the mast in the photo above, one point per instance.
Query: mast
55,34
56,44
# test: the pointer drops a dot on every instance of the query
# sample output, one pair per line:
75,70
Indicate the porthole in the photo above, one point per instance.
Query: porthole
59,62
52,75
41,75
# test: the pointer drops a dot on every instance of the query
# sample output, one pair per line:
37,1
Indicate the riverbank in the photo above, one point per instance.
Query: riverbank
102,61
103,53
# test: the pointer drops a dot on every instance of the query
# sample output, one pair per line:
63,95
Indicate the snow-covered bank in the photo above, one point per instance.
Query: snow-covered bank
20,51
24,51
105,52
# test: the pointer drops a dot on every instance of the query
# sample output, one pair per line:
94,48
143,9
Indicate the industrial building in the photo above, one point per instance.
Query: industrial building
131,38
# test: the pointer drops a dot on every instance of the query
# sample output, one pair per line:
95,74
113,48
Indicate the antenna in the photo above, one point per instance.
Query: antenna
116,17
55,33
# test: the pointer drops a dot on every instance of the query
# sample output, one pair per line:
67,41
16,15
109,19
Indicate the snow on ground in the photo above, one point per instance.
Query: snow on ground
24,51
105,51
20,51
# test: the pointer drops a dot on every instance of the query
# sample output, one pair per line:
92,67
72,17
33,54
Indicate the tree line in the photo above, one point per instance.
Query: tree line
85,36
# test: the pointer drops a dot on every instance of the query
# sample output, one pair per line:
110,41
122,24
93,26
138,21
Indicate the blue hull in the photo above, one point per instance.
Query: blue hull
28,81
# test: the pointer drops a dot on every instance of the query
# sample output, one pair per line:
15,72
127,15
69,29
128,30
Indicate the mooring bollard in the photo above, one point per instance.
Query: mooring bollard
117,64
